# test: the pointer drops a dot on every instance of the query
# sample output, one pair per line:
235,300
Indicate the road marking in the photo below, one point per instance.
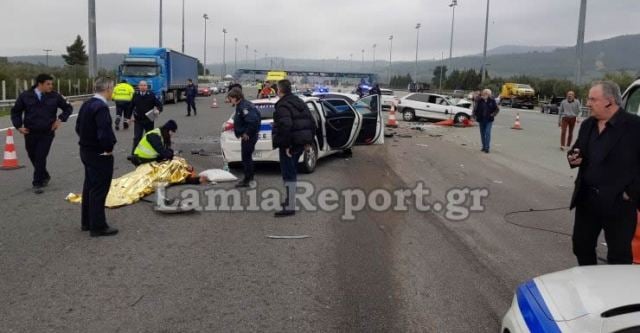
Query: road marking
71,116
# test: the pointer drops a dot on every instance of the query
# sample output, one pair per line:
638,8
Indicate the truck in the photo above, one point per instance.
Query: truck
166,71
517,95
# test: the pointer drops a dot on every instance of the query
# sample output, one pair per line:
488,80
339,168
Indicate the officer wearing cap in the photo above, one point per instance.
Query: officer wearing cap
155,145
35,115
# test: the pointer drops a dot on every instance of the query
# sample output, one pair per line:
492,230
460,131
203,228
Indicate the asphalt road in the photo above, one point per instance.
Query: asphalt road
218,272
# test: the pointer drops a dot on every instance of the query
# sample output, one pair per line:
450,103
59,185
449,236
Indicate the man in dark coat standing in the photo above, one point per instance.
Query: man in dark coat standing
191,94
607,191
293,132
484,112
96,152
35,115
143,101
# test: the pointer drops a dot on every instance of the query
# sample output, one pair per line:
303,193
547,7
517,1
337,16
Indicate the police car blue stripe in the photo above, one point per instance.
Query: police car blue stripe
534,310
265,127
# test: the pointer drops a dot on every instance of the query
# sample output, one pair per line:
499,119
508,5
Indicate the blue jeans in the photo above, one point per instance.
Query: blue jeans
288,168
485,134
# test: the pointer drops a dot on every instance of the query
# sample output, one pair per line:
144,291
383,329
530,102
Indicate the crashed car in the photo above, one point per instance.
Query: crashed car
585,299
340,125
432,106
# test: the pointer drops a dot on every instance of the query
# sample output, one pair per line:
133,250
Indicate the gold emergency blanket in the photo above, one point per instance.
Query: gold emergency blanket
133,186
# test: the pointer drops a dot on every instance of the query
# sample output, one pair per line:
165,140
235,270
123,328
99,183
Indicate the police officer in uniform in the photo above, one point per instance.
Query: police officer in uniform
191,93
246,125
96,152
35,115
122,95
155,145
143,101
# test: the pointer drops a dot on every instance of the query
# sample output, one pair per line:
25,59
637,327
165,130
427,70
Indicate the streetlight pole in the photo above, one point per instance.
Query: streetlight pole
93,53
374,57
246,55
441,71
160,28
235,56
224,53
362,65
46,51
453,5
351,62
255,63
182,26
415,73
204,66
580,43
484,52
390,49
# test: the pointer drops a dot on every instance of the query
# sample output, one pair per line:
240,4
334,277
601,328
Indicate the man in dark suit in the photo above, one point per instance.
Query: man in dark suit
96,152
607,191
143,101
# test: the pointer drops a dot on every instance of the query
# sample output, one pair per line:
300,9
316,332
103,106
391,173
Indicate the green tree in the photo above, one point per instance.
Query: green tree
439,74
76,53
623,79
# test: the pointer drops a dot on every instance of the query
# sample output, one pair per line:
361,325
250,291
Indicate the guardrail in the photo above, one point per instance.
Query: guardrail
10,102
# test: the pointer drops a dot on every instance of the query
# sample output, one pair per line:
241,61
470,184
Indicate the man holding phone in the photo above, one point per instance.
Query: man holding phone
607,191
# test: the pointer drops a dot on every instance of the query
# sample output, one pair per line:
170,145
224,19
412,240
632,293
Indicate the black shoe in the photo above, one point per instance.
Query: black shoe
284,213
46,182
109,231
486,151
37,189
188,115
243,183
84,228
117,124
117,128
125,125
130,158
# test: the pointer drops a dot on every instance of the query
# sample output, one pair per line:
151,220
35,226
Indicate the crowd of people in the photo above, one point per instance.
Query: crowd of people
606,152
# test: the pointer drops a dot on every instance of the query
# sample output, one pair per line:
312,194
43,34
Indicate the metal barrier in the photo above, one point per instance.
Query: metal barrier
10,102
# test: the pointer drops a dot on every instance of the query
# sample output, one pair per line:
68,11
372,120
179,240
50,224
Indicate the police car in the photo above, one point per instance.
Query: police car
341,124
585,299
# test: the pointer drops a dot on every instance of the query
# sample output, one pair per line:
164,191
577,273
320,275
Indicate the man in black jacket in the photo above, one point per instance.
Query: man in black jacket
35,116
607,191
292,133
484,112
96,152
191,93
143,101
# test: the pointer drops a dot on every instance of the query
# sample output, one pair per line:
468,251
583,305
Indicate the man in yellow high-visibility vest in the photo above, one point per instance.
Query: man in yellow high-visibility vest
122,95
155,145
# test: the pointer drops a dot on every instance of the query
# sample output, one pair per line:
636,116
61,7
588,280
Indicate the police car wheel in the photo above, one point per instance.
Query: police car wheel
310,160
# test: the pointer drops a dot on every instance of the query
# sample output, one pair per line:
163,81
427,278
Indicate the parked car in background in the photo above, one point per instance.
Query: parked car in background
631,98
388,98
340,125
552,106
204,91
214,89
432,106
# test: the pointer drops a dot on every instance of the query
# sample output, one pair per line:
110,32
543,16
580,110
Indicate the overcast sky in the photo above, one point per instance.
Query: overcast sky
309,29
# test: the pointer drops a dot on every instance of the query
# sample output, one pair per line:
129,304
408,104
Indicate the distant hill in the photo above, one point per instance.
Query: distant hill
618,53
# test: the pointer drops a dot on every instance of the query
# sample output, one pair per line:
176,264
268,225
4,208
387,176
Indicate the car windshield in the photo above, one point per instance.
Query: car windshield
139,70
524,86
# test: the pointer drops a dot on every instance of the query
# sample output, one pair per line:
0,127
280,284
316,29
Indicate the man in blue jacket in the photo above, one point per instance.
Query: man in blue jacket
96,152
484,112
246,125
191,94
35,115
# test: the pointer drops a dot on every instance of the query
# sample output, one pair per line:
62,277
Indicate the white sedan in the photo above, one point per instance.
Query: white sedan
586,299
432,106
341,125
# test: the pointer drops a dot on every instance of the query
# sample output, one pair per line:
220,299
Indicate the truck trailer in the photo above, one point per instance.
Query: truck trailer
166,71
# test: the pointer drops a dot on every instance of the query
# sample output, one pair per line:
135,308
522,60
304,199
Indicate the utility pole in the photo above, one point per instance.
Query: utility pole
246,54
374,57
255,63
390,49
93,53
351,62
224,53
46,51
362,65
160,29
580,43
204,68
182,26
235,56
484,52
441,71
415,78
453,5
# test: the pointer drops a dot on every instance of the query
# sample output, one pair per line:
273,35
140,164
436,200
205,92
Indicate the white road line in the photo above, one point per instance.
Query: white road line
71,116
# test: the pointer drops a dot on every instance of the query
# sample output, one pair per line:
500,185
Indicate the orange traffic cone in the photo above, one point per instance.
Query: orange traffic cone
392,121
635,244
10,161
215,102
516,125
